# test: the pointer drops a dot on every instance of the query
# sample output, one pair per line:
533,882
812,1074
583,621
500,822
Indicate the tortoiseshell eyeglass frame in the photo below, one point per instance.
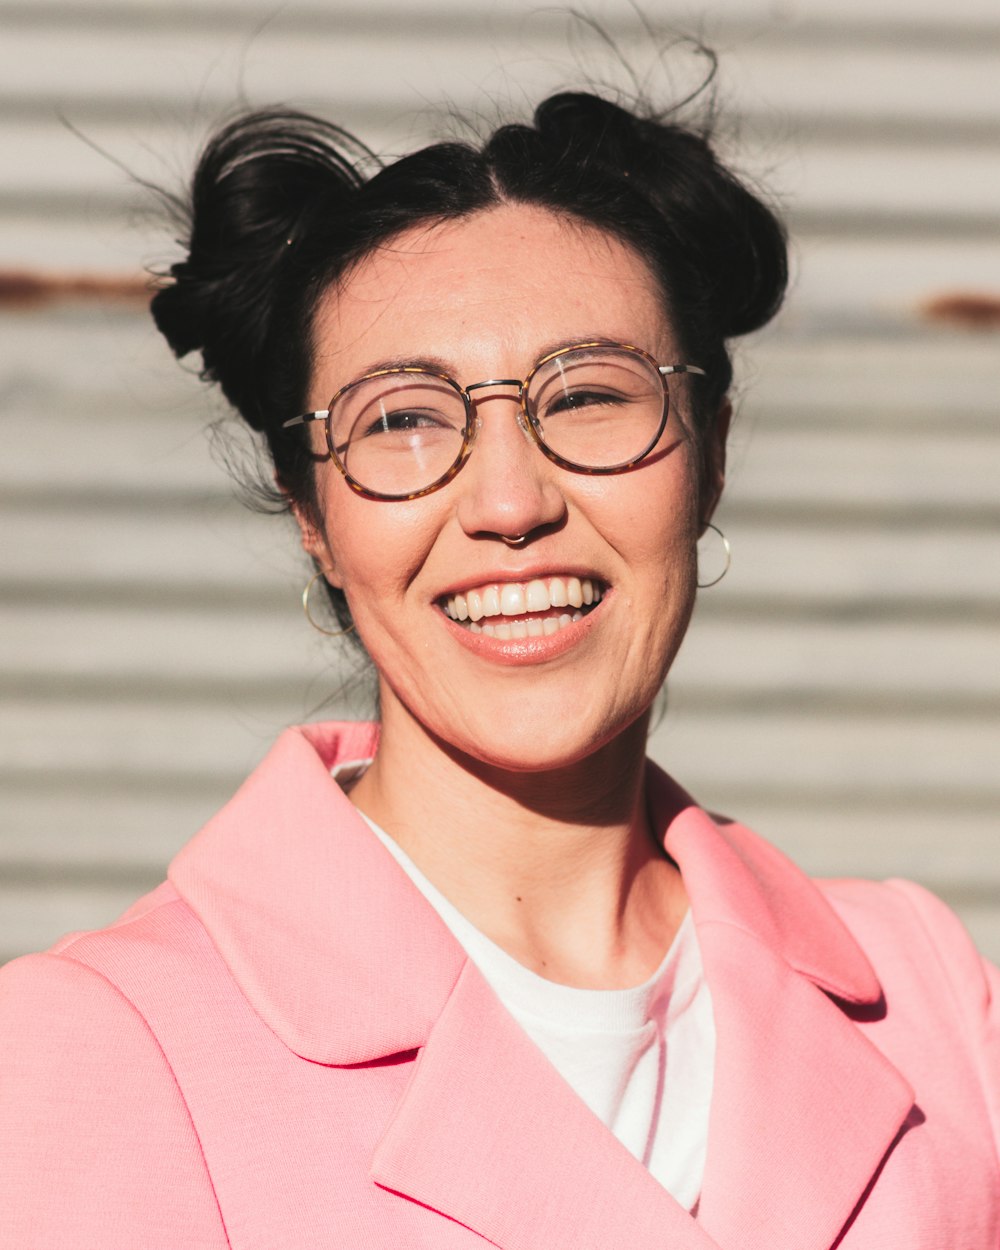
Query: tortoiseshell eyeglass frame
526,420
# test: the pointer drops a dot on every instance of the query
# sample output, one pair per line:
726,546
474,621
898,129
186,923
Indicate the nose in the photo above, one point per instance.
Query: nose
508,487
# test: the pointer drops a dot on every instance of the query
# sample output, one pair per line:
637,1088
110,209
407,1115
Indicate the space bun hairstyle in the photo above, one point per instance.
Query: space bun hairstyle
283,204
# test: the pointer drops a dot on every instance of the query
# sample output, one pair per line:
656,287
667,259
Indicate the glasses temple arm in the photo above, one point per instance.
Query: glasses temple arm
306,417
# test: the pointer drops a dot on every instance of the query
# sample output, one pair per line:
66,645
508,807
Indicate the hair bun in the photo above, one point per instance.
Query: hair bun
728,240
252,184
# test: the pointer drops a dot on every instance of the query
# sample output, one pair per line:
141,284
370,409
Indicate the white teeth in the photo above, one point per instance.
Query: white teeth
515,629
514,599
537,597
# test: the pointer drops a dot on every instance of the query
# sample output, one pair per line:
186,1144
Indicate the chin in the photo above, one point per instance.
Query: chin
553,745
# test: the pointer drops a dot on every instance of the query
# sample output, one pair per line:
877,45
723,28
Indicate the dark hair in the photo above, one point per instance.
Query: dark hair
283,203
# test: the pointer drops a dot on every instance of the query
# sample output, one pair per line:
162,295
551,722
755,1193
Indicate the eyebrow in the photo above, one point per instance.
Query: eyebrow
439,364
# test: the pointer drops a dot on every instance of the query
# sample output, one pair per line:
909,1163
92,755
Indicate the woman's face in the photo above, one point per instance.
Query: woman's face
485,297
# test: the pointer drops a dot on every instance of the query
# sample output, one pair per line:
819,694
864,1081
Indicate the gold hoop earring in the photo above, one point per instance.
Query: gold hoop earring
729,558
330,633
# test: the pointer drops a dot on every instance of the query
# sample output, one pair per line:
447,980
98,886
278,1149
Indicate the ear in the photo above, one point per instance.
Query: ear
714,472
314,543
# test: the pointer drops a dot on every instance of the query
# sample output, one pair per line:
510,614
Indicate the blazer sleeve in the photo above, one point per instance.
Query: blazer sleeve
97,1150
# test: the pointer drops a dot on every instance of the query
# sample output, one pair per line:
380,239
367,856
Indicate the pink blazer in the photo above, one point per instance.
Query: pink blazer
283,1048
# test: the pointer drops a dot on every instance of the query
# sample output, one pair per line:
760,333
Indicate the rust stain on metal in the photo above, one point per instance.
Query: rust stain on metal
23,288
973,310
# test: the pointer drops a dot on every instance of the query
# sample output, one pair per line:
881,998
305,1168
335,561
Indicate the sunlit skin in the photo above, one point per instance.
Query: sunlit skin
511,776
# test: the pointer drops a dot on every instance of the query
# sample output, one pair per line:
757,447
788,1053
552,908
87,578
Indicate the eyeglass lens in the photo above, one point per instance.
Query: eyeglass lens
401,432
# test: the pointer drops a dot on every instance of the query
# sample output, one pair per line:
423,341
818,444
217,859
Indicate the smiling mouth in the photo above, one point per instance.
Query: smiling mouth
532,609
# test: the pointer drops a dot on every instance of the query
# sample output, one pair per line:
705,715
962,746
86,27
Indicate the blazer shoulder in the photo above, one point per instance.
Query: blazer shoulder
974,982
92,1120
157,903
900,922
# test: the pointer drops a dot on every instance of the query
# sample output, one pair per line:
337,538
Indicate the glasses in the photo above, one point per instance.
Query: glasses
401,433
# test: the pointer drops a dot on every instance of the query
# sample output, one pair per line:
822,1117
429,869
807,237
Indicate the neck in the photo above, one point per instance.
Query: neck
559,867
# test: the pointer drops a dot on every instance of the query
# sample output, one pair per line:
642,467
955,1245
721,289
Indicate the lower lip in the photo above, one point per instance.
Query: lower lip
525,650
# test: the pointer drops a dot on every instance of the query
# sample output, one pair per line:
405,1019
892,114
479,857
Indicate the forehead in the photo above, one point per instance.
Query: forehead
505,284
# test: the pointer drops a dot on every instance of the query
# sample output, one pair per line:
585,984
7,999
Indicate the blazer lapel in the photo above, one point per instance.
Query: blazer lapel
804,1107
488,1132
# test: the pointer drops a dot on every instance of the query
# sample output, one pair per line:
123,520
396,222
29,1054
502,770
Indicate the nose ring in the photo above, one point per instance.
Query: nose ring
516,541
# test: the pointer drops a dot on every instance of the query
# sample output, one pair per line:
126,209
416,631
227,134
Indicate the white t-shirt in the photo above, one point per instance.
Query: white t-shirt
642,1059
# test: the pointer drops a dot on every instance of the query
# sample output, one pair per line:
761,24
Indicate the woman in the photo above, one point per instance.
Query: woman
482,974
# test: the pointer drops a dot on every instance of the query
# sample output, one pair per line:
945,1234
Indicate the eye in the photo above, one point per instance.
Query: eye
404,421
580,398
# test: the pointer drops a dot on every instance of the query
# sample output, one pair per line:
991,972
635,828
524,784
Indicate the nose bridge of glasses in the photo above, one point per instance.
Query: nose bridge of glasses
476,400
491,382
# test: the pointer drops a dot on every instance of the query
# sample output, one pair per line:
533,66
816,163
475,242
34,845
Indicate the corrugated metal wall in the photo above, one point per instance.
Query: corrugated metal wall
840,689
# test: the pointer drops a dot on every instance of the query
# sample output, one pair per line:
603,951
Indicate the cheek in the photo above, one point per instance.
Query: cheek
650,516
377,549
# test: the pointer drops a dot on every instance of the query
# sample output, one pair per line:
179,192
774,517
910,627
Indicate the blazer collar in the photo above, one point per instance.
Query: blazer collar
325,935
735,878
310,911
